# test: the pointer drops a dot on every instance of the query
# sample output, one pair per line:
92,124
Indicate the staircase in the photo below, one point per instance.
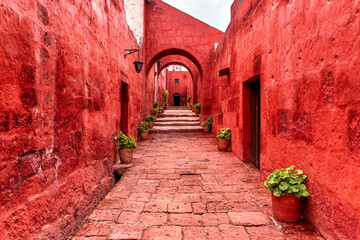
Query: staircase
177,119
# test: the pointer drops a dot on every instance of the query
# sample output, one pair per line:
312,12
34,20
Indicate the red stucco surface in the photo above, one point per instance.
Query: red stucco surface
182,88
307,56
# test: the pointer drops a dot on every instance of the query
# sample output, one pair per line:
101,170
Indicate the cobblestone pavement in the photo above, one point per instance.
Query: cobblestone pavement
181,187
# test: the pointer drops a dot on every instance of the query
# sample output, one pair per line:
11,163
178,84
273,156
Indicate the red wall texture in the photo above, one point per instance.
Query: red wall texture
61,69
182,88
307,56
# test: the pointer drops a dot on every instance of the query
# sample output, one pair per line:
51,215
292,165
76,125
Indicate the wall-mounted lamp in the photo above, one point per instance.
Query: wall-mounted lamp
159,63
138,65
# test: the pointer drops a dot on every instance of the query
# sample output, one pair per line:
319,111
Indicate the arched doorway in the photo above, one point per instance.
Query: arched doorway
177,99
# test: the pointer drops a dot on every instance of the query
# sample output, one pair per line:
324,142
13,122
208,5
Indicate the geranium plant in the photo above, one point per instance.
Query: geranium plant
224,133
125,142
143,126
197,105
287,181
150,118
155,111
209,121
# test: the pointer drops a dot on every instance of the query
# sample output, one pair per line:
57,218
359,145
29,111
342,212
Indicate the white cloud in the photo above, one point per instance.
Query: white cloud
216,13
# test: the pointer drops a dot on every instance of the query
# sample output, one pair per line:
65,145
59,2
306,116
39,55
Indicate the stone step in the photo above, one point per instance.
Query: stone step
167,129
176,108
178,115
178,123
178,119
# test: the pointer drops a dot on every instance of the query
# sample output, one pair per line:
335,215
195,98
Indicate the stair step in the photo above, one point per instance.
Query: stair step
179,119
167,129
177,123
176,108
178,115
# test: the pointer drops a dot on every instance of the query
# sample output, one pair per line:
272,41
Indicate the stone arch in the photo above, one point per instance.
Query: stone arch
176,63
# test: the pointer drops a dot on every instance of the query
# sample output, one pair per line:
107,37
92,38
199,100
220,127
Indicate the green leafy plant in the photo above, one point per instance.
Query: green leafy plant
197,105
125,142
188,99
209,121
150,118
165,95
224,133
191,105
287,181
158,104
143,126
155,111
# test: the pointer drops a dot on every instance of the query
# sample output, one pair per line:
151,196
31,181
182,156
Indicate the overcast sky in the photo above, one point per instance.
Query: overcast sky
216,13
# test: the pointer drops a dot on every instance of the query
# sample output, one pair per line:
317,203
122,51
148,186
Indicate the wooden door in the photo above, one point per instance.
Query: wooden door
124,108
255,122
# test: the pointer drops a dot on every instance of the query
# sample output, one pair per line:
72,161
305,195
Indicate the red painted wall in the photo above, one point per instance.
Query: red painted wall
183,87
307,56
61,68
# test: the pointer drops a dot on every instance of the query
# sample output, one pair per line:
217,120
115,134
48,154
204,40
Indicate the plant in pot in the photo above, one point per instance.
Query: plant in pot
188,100
150,119
207,124
223,139
191,106
126,146
154,112
144,130
288,190
197,108
166,97
161,106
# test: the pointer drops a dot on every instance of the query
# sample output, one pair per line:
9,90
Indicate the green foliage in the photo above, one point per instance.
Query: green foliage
191,105
188,99
155,111
197,105
287,181
150,118
224,133
143,126
125,142
209,121
158,104
165,95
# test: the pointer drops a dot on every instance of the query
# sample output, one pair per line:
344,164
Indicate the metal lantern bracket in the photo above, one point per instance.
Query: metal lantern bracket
131,51
138,65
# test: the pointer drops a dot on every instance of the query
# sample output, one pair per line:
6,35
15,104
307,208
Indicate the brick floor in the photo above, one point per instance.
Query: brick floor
181,187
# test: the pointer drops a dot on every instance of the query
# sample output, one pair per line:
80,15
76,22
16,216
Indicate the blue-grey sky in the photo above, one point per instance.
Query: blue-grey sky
216,13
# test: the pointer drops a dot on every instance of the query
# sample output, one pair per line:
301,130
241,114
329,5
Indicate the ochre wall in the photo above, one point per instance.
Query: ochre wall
307,55
61,68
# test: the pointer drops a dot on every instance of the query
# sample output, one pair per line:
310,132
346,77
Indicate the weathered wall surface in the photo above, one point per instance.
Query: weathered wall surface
61,68
307,55
182,88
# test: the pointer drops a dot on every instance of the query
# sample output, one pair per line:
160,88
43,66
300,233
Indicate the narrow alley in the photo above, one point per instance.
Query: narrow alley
182,187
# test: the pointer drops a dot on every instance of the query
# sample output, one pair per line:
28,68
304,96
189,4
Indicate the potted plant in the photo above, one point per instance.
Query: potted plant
207,124
161,106
288,190
126,146
188,100
154,112
144,130
166,97
191,106
197,108
223,139
150,119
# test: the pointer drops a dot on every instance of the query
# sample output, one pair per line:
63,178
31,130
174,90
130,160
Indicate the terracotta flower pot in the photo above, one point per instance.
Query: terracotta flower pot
223,144
197,110
155,115
144,134
206,128
151,124
287,208
126,155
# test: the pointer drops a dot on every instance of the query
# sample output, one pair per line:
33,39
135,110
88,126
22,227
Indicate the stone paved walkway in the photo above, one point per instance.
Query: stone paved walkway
181,187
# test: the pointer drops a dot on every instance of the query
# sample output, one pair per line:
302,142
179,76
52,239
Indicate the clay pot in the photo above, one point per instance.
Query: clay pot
151,124
206,128
126,155
144,134
155,115
162,109
287,208
197,110
223,144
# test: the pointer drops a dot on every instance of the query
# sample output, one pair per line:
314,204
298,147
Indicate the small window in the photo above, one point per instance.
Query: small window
176,81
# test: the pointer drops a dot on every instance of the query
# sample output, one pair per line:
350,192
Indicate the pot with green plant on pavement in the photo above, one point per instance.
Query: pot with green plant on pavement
144,130
154,112
197,108
126,146
287,192
165,97
151,120
223,139
207,124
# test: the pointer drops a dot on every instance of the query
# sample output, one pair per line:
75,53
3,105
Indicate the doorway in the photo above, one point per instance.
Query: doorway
255,122
124,107
177,99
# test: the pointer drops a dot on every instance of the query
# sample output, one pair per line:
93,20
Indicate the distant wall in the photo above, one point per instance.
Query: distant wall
307,56
61,69
182,89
